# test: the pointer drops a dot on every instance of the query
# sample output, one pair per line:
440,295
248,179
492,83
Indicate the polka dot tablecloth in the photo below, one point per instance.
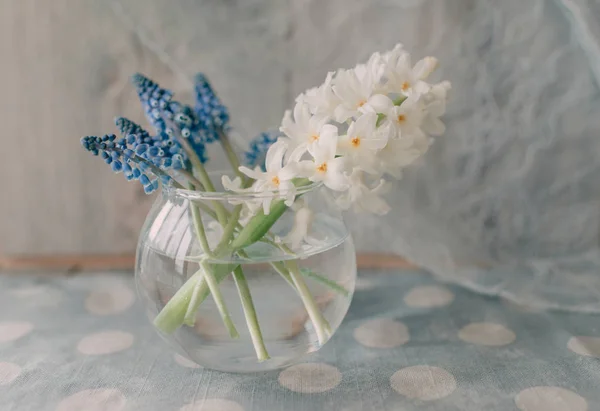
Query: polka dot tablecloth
408,343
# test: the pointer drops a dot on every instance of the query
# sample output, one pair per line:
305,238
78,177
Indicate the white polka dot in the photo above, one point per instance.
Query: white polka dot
588,346
213,404
8,372
10,331
423,382
486,334
94,400
550,399
382,333
184,362
109,300
106,342
428,296
310,377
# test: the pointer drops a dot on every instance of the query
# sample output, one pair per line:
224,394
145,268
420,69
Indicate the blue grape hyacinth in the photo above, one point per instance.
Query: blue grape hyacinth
255,156
124,160
212,114
199,126
182,133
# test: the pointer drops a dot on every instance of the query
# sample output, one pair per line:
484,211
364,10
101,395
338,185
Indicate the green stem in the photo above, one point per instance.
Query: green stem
319,322
250,314
208,186
258,226
325,281
190,314
197,184
171,317
199,168
199,226
231,156
280,268
173,313
213,286
229,229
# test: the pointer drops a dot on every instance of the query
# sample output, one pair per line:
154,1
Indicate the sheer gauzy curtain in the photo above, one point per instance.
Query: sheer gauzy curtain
508,200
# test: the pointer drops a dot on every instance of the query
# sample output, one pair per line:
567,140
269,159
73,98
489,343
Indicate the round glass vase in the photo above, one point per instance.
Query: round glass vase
245,305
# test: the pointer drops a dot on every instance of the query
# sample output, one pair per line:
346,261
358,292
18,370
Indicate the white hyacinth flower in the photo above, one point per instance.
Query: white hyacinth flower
301,231
435,107
325,166
402,77
364,198
304,129
356,88
277,177
321,100
404,119
401,152
362,142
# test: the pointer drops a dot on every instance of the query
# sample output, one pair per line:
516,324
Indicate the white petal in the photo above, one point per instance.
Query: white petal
288,172
378,104
434,126
425,67
343,113
364,126
231,185
325,148
297,153
305,168
267,205
255,174
377,205
275,153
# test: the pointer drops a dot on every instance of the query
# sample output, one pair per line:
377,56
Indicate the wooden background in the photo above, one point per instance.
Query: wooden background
64,71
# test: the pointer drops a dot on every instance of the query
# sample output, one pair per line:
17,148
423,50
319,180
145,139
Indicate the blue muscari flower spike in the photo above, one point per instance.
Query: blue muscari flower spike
256,154
209,109
163,113
145,157
119,160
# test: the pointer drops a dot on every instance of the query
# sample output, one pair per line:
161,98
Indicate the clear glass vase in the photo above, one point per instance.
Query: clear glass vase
283,301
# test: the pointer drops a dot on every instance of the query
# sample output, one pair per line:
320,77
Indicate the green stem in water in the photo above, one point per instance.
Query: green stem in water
190,314
321,325
213,286
171,317
280,268
258,226
325,281
229,229
199,226
250,314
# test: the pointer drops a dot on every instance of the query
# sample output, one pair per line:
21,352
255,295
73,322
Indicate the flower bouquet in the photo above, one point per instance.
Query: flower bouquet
273,220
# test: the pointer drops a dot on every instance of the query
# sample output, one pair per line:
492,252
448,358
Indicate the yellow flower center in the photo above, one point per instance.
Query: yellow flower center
313,138
401,118
405,86
275,181
355,142
361,103
322,168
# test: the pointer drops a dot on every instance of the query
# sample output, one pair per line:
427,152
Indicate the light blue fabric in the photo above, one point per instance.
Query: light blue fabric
148,378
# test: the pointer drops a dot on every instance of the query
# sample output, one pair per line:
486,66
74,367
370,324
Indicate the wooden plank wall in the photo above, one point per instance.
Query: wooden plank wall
64,69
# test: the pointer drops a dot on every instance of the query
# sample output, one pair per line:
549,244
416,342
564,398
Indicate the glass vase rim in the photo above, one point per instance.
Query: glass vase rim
172,190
